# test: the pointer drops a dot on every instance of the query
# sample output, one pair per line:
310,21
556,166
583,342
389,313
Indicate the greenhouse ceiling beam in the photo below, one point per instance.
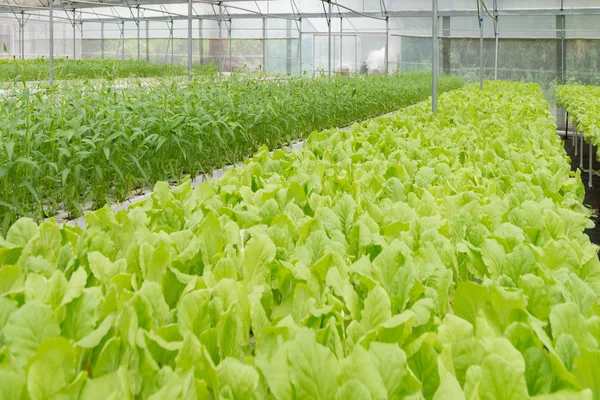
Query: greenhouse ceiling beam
11,8
390,14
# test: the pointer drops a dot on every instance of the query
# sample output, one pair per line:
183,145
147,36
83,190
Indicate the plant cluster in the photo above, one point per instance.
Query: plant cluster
582,103
39,69
413,256
75,144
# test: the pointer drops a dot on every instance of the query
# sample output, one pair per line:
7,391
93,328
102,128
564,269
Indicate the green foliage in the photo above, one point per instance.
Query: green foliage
75,144
39,69
411,256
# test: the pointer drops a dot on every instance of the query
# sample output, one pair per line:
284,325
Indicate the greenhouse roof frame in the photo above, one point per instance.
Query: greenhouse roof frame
88,8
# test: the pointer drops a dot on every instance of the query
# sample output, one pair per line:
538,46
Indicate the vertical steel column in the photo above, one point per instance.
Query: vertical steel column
122,40
329,47
562,42
102,40
147,41
300,47
22,36
341,44
220,41
590,165
264,45
51,42
172,39
480,8
137,23
387,45
74,35
230,51
201,45
434,59
497,35
581,140
81,37
575,141
189,38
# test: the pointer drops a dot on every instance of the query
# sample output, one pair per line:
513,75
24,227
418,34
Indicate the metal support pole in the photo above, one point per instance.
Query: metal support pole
74,37
51,42
435,54
341,45
567,130
480,45
264,45
563,27
581,139
590,166
137,23
148,41
102,40
122,40
300,46
172,43
230,50
189,38
329,30
496,33
201,45
575,142
22,36
387,45
220,42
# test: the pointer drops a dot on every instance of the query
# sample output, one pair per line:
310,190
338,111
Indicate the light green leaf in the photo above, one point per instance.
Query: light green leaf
353,390
258,255
377,309
240,379
52,369
313,368
27,328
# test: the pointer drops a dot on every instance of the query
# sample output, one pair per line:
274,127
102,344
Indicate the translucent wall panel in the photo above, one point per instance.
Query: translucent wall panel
583,26
36,39
527,4
581,3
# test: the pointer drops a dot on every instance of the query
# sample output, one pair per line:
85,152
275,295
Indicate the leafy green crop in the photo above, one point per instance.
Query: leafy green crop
75,144
39,69
583,105
409,257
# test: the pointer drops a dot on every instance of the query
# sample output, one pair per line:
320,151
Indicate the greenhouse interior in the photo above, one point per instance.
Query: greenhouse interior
300,199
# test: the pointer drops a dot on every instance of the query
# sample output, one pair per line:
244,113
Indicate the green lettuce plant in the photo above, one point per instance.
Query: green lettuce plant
413,256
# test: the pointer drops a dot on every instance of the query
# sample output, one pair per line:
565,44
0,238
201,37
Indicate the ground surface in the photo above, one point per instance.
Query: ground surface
592,195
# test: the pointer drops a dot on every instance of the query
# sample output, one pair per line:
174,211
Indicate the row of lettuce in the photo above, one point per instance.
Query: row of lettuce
82,146
582,102
408,257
